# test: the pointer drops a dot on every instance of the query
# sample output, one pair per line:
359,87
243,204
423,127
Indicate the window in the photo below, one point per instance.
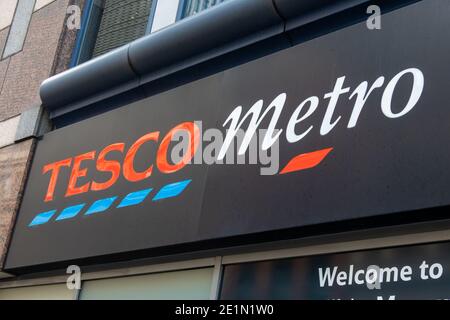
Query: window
86,38
44,292
122,22
109,24
192,7
188,284
167,12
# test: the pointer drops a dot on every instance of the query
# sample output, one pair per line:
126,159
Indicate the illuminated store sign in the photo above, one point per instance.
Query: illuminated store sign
356,123
125,165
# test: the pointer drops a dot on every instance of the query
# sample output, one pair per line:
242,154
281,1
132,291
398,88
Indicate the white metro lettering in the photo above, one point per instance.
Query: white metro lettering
361,94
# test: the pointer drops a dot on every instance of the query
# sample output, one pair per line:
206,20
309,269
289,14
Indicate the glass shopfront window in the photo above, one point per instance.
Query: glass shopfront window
186,285
45,292
412,272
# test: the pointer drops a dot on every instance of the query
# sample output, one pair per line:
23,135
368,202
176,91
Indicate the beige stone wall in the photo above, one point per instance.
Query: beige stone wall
14,161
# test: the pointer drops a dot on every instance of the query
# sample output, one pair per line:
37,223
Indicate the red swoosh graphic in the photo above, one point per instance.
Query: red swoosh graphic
306,161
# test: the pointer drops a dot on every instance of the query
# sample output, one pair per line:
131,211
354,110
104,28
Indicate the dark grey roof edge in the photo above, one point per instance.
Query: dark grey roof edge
297,13
234,24
90,81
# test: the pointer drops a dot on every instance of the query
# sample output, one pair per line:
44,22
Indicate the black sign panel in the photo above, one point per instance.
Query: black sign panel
416,272
357,126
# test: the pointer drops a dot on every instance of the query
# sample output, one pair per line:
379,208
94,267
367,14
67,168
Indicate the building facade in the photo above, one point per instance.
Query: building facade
34,46
237,149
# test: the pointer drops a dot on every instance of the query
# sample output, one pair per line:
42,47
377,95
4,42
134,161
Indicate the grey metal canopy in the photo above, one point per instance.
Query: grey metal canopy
233,24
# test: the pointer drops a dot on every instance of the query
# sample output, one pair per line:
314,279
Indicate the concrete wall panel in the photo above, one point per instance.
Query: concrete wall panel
19,27
7,8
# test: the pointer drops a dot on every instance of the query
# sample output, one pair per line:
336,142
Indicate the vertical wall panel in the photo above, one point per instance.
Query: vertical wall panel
19,27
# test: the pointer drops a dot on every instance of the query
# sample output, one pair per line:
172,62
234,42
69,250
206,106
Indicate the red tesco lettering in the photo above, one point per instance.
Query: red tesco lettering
115,168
